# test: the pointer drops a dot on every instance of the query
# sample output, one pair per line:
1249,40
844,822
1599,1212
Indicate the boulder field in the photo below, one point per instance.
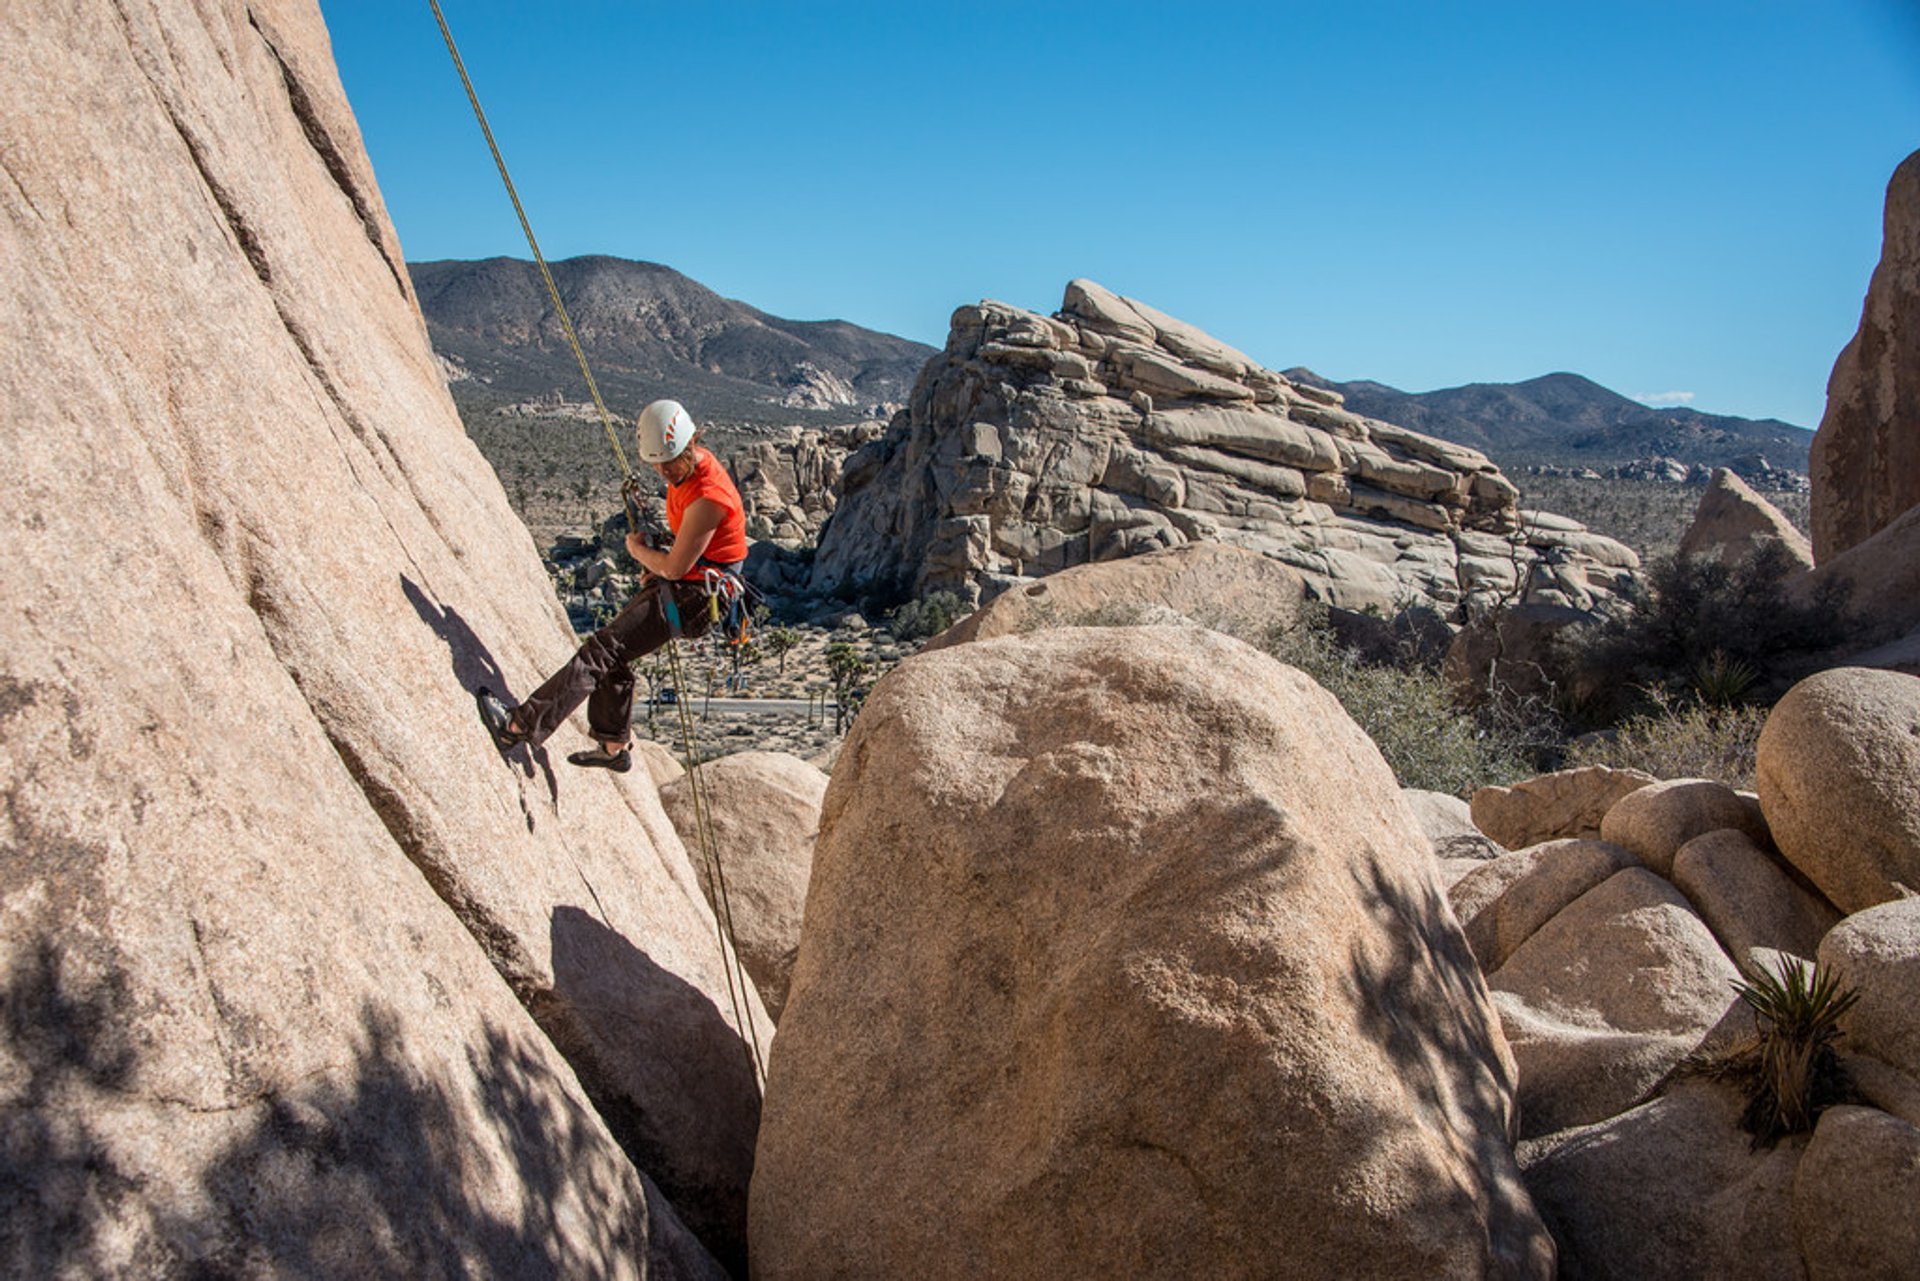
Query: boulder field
1611,949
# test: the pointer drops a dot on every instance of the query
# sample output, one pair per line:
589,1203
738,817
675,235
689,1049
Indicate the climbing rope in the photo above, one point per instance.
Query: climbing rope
553,291
716,875
723,915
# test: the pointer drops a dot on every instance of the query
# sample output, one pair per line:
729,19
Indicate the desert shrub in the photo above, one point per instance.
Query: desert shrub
1788,1069
1698,629
1698,740
1409,714
928,616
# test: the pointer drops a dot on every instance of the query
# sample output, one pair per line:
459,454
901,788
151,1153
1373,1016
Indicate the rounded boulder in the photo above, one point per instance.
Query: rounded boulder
763,809
1656,820
1123,958
1839,782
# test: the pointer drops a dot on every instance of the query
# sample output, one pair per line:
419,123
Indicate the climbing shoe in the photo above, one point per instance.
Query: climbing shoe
620,762
497,717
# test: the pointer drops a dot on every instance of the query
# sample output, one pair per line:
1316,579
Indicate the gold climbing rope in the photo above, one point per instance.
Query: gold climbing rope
737,987
553,291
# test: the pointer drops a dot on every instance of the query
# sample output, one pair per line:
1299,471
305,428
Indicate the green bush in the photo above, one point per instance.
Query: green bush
1408,712
1695,741
1700,630
928,616
1788,1068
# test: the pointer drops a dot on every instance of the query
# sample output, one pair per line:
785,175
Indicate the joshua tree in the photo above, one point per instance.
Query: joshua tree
780,640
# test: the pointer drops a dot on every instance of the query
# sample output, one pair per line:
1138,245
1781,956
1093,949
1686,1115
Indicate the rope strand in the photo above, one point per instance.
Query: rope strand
730,963
553,291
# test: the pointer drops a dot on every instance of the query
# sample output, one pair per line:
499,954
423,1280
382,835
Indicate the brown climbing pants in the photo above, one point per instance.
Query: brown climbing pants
601,673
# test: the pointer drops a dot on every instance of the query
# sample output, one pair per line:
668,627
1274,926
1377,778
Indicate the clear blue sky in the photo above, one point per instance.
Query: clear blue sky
1673,197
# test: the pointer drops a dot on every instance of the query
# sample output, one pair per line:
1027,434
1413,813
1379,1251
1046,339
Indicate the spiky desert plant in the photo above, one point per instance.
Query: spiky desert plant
1720,680
1794,1072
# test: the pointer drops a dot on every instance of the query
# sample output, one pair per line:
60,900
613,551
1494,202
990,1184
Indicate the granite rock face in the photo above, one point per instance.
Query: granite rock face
1866,456
301,976
1035,443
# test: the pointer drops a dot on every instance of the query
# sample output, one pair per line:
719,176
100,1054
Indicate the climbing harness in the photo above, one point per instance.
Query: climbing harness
737,983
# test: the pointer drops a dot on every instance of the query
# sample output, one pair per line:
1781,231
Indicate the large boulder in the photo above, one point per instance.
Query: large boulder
1566,804
762,811
1839,780
1733,522
1502,902
1227,588
1865,461
1062,1010
1878,953
1854,1195
1747,899
304,978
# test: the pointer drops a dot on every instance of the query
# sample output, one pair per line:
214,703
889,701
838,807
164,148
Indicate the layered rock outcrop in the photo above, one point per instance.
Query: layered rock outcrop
1123,958
1866,455
301,977
1033,443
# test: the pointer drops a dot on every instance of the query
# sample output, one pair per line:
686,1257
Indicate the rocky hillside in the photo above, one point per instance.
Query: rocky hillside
1565,420
649,331
1034,442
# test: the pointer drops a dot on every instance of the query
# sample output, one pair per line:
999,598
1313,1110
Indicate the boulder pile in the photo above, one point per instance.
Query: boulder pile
1034,443
1611,949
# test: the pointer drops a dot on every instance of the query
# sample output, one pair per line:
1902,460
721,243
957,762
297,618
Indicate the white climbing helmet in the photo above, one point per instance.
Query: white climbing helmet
664,431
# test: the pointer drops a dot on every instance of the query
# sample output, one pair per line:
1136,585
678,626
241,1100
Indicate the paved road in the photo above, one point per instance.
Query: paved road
750,706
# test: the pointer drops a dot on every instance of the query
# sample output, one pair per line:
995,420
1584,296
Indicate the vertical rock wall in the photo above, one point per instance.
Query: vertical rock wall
273,913
1866,455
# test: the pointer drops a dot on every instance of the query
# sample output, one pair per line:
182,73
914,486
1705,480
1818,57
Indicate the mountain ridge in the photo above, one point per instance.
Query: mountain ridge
648,331
1568,419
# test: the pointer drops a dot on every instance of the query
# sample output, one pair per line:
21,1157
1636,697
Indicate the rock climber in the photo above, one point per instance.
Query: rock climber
676,597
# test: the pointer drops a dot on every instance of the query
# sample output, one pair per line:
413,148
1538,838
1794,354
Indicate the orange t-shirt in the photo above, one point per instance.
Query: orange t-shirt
710,481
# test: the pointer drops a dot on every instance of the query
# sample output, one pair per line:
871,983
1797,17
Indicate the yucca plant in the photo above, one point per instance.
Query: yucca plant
1720,680
1792,1071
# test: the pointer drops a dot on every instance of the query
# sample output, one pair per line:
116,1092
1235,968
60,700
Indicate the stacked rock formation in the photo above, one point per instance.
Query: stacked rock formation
300,977
1610,937
789,485
1033,443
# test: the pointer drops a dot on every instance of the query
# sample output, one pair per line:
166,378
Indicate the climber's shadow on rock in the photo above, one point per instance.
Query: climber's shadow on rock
473,665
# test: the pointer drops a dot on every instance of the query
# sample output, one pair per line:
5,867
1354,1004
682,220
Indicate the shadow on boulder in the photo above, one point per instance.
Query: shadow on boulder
381,1168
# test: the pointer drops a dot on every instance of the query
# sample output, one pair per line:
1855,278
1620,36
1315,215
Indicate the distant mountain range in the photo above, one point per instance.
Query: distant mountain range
649,331
1569,421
